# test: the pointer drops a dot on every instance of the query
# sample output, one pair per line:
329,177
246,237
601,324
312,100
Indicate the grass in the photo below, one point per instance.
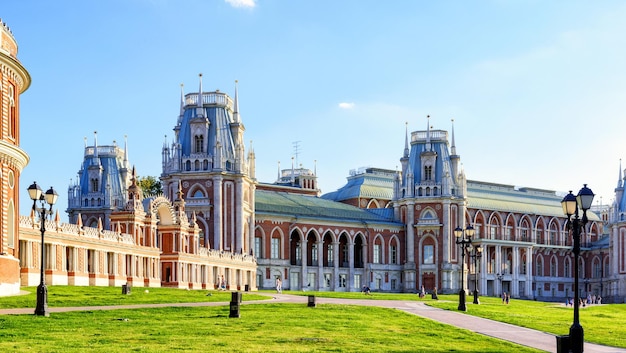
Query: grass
261,328
274,327
601,323
64,296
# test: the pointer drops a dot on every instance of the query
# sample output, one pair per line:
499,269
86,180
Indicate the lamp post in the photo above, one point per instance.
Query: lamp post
477,254
464,239
50,197
571,204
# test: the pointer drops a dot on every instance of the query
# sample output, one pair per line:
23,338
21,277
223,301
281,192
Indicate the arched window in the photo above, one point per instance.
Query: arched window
539,267
393,252
12,112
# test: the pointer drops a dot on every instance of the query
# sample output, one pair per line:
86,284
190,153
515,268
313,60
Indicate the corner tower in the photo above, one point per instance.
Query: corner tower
101,186
206,164
14,80
430,200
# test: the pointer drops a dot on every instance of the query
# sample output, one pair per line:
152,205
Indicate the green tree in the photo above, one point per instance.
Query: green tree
149,185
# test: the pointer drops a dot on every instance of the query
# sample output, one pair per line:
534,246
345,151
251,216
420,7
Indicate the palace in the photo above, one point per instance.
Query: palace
215,224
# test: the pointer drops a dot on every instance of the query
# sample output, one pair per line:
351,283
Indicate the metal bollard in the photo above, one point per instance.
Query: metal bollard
562,344
235,301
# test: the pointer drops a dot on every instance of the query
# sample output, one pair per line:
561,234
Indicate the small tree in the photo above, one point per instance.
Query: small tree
150,185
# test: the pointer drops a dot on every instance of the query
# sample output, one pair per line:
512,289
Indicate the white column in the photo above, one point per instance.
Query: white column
239,248
303,248
217,214
320,265
336,265
529,272
410,233
351,265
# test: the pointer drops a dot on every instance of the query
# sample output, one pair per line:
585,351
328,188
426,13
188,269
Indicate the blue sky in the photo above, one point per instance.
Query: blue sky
536,88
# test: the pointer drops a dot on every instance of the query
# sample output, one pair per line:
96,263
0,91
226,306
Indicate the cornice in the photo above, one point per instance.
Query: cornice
13,155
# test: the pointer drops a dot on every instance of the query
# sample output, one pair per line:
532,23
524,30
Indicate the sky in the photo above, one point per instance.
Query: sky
537,89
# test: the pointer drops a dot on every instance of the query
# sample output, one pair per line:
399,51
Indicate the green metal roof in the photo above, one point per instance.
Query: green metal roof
374,183
508,198
314,207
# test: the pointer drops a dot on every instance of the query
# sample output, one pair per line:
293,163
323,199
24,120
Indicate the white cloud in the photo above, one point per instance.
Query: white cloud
242,3
345,105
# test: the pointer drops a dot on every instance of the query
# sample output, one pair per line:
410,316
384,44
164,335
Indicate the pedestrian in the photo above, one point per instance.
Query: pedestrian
279,286
508,297
223,284
422,293
503,297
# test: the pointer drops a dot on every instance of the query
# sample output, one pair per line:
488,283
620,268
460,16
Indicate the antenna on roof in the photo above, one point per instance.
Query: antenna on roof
296,150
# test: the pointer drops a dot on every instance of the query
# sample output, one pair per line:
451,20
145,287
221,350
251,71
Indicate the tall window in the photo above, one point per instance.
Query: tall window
428,173
376,253
94,185
330,256
393,254
429,254
566,271
553,268
342,280
539,268
314,254
199,143
298,253
275,248
257,248
12,112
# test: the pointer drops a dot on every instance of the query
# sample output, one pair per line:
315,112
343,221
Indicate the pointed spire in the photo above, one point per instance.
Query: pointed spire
182,99
79,221
406,139
200,102
95,143
620,181
315,167
100,224
85,139
278,176
236,103
453,147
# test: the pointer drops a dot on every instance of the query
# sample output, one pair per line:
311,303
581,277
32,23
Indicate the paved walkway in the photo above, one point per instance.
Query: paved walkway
523,336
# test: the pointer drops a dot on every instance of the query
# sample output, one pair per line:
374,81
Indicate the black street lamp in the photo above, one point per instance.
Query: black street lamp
50,197
463,238
476,255
571,204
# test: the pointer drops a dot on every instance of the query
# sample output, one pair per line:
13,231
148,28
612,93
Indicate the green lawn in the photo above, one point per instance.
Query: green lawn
275,327
62,296
269,327
603,324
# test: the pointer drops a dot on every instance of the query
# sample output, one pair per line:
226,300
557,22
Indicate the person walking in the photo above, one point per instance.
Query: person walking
279,286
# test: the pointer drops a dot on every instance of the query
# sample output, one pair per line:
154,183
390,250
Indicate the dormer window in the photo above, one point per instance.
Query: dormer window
199,140
94,185
428,173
